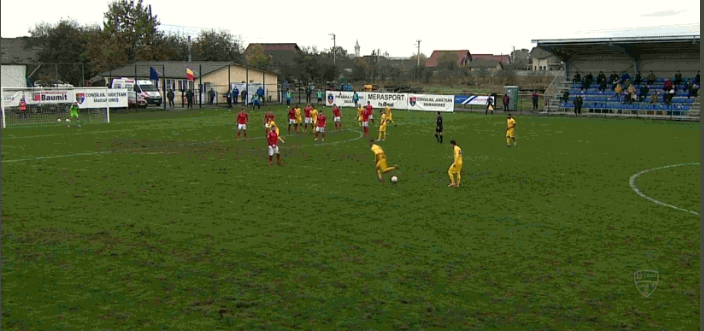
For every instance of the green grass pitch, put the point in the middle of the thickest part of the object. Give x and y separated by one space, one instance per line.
163 221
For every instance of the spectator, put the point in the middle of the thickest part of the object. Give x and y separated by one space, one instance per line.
638 79
654 97
235 95
289 96
601 77
355 98
566 96
602 85
494 97
624 77
618 91
506 101
652 78
615 83
586 83
668 85
590 77
578 102
170 96
678 78
189 98
244 97
643 92
309 91
613 77
228 96
256 102
696 79
631 93
693 90
211 96
260 93
667 98
490 105
534 98
320 97
577 78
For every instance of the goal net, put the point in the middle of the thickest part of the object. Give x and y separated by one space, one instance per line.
39 105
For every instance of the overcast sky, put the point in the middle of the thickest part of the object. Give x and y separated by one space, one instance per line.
392 26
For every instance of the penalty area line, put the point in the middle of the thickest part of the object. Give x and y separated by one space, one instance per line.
634 178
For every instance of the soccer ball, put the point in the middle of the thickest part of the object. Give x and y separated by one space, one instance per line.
58 120
394 179
68 120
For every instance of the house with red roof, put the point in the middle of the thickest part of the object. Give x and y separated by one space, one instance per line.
503 59
463 57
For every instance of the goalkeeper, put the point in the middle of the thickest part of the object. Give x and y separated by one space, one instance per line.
74 114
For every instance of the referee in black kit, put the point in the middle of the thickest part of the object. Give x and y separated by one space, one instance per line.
438 128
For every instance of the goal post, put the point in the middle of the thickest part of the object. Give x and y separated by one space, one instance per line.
44 105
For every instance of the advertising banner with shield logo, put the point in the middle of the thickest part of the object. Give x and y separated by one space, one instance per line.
428 102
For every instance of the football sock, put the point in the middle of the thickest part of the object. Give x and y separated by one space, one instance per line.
437 137
441 139
508 141
452 178
459 178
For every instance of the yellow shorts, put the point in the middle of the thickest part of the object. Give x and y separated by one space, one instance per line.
298 120
381 164
509 134
389 118
382 128
455 168
359 119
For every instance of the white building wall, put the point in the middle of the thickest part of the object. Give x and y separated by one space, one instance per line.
13 75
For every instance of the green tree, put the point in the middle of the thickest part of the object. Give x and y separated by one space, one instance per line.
66 43
257 58
221 45
129 33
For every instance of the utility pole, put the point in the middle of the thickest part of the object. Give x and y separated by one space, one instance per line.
513 55
334 47
189 48
418 58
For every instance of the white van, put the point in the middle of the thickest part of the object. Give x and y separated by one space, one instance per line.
141 94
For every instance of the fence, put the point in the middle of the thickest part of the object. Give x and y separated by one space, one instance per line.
38 105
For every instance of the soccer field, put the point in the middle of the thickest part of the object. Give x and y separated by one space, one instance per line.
164 221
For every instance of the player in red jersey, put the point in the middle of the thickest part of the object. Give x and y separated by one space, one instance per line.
365 122
337 117
292 119
370 111
321 126
272 138
308 119
242 119
268 117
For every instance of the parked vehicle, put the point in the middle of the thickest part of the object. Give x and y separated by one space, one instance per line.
134 99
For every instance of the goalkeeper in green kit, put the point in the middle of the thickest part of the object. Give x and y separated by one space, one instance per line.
74 114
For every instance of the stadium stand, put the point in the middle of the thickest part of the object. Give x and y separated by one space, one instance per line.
664 56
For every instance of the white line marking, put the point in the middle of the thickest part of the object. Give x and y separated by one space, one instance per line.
171 152
632 182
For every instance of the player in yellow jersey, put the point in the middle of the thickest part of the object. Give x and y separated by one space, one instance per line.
299 119
510 126
380 160
314 117
360 111
456 166
382 126
389 115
